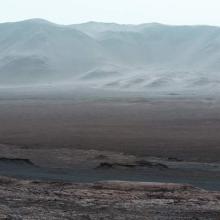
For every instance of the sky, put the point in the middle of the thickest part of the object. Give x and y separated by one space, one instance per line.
175 12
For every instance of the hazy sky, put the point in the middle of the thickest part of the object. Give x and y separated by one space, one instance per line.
120 11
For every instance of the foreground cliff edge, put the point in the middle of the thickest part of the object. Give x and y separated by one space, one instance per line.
23 199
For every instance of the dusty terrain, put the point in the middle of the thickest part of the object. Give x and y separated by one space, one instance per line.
105 200
171 126
80 104
77 165
59 144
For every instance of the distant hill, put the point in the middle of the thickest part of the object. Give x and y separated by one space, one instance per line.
110 55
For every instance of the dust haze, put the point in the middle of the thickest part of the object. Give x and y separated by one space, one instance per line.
104 101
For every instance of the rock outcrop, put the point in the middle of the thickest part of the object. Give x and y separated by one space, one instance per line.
21 199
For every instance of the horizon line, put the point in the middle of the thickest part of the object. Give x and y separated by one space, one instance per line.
107 23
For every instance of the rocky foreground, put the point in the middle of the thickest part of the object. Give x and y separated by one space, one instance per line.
23 199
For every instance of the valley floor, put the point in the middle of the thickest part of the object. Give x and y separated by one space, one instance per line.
186 127
58 143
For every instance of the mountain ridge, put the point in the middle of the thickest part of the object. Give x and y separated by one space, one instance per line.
141 56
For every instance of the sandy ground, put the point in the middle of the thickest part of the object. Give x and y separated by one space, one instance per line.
58 134
171 126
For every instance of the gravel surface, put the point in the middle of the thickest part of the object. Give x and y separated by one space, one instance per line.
105 200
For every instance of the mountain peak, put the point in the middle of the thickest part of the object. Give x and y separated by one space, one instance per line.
37 20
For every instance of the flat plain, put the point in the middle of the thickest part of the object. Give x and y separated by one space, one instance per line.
164 126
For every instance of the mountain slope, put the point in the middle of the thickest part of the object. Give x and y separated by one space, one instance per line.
40 50
109 55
